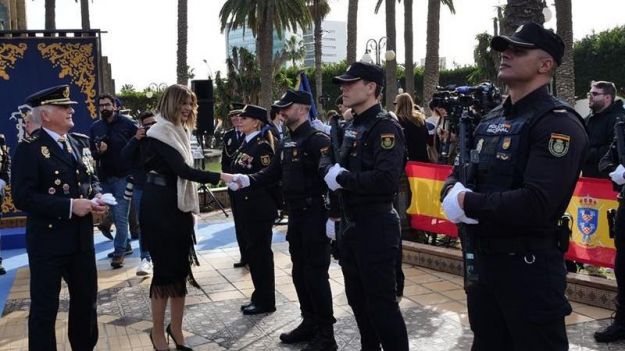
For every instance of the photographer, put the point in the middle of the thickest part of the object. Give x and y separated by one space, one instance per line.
108 136
132 154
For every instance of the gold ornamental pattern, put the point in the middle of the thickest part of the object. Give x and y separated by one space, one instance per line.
9 53
77 61
7 204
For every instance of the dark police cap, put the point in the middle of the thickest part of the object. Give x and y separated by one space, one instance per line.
256 112
236 106
532 36
58 95
293 97
361 70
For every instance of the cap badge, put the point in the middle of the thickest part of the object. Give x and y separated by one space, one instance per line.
519 29
66 92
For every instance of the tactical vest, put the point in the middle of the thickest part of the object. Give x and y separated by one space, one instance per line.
503 145
300 175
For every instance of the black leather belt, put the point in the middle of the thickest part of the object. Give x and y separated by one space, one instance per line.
156 179
520 245
367 209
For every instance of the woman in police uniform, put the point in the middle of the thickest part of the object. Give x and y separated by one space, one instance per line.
256 209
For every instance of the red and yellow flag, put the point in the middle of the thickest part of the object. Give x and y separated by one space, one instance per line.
590 242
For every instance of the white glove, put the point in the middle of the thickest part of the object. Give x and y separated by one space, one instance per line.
618 176
107 198
330 177
320 126
452 208
331 229
242 179
234 186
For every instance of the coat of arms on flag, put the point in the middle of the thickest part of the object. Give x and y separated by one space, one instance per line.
587 218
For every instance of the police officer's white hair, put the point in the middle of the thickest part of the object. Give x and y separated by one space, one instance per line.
35 116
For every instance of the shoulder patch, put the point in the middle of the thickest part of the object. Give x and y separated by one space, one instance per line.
387 141
559 144
265 160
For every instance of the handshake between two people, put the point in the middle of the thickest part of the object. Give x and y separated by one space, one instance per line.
235 181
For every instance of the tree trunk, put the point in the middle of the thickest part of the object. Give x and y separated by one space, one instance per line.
84 14
391 65
565 75
518 12
21 15
318 73
182 69
352 30
431 69
265 56
50 6
409 64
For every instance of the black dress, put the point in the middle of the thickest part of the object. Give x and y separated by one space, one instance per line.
168 232
256 212
416 141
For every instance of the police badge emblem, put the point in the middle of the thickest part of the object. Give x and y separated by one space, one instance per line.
506 143
387 141
559 144
265 160
45 151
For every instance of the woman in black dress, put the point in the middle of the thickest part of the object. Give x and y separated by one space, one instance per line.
167 207
256 209
415 130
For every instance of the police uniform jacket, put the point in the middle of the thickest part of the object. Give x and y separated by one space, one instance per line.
296 164
373 151
45 178
530 156
231 143
251 157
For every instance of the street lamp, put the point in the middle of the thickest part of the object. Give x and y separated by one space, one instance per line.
153 87
376 46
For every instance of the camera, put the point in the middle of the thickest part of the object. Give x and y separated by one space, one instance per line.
129 190
99 139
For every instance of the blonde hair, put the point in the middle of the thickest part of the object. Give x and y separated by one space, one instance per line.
406 110
171 100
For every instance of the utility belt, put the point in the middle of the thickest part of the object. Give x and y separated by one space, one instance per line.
158 179
516 245
363 210
304 203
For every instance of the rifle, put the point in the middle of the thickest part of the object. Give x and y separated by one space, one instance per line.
339 157
619 134
467 158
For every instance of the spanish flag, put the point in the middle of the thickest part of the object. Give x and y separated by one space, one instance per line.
592 198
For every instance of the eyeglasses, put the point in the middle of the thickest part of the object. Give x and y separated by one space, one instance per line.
594 93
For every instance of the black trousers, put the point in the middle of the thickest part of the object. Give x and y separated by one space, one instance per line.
310 254
519 302
619 264
260 261
369 252
237 230
79 272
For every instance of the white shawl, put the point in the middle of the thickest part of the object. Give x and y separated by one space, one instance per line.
178 138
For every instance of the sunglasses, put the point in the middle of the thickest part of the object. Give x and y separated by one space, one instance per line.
594 93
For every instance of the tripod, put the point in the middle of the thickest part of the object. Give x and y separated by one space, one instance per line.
203 187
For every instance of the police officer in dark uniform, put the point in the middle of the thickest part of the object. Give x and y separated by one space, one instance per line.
53 178
256 209
530 152
5 164
296 164
368 170
232 139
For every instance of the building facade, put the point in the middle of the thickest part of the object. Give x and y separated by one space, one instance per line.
333 43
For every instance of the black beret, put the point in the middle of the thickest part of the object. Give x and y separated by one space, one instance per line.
256 112
361 70
531 36
58 95
293 97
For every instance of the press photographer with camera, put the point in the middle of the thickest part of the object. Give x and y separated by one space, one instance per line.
523 164
108 136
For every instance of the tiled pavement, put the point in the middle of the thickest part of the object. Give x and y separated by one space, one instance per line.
434 307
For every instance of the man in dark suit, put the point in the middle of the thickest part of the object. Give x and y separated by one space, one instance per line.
53 178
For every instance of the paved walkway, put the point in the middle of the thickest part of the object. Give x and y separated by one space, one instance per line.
434 305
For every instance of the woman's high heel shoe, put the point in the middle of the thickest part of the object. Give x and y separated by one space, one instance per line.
154 345
178 346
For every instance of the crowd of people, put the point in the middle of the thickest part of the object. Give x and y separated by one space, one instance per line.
338 181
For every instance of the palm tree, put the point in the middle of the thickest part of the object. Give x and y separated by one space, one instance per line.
352 30
318 10
262 17
84 14
409 61
518 12
294 49
182 70
431 69
565 75
50 7
391 65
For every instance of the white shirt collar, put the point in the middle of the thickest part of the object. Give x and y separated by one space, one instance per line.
250 136
54 135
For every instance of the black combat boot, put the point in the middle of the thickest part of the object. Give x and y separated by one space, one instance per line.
614 331
306 331
323 341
